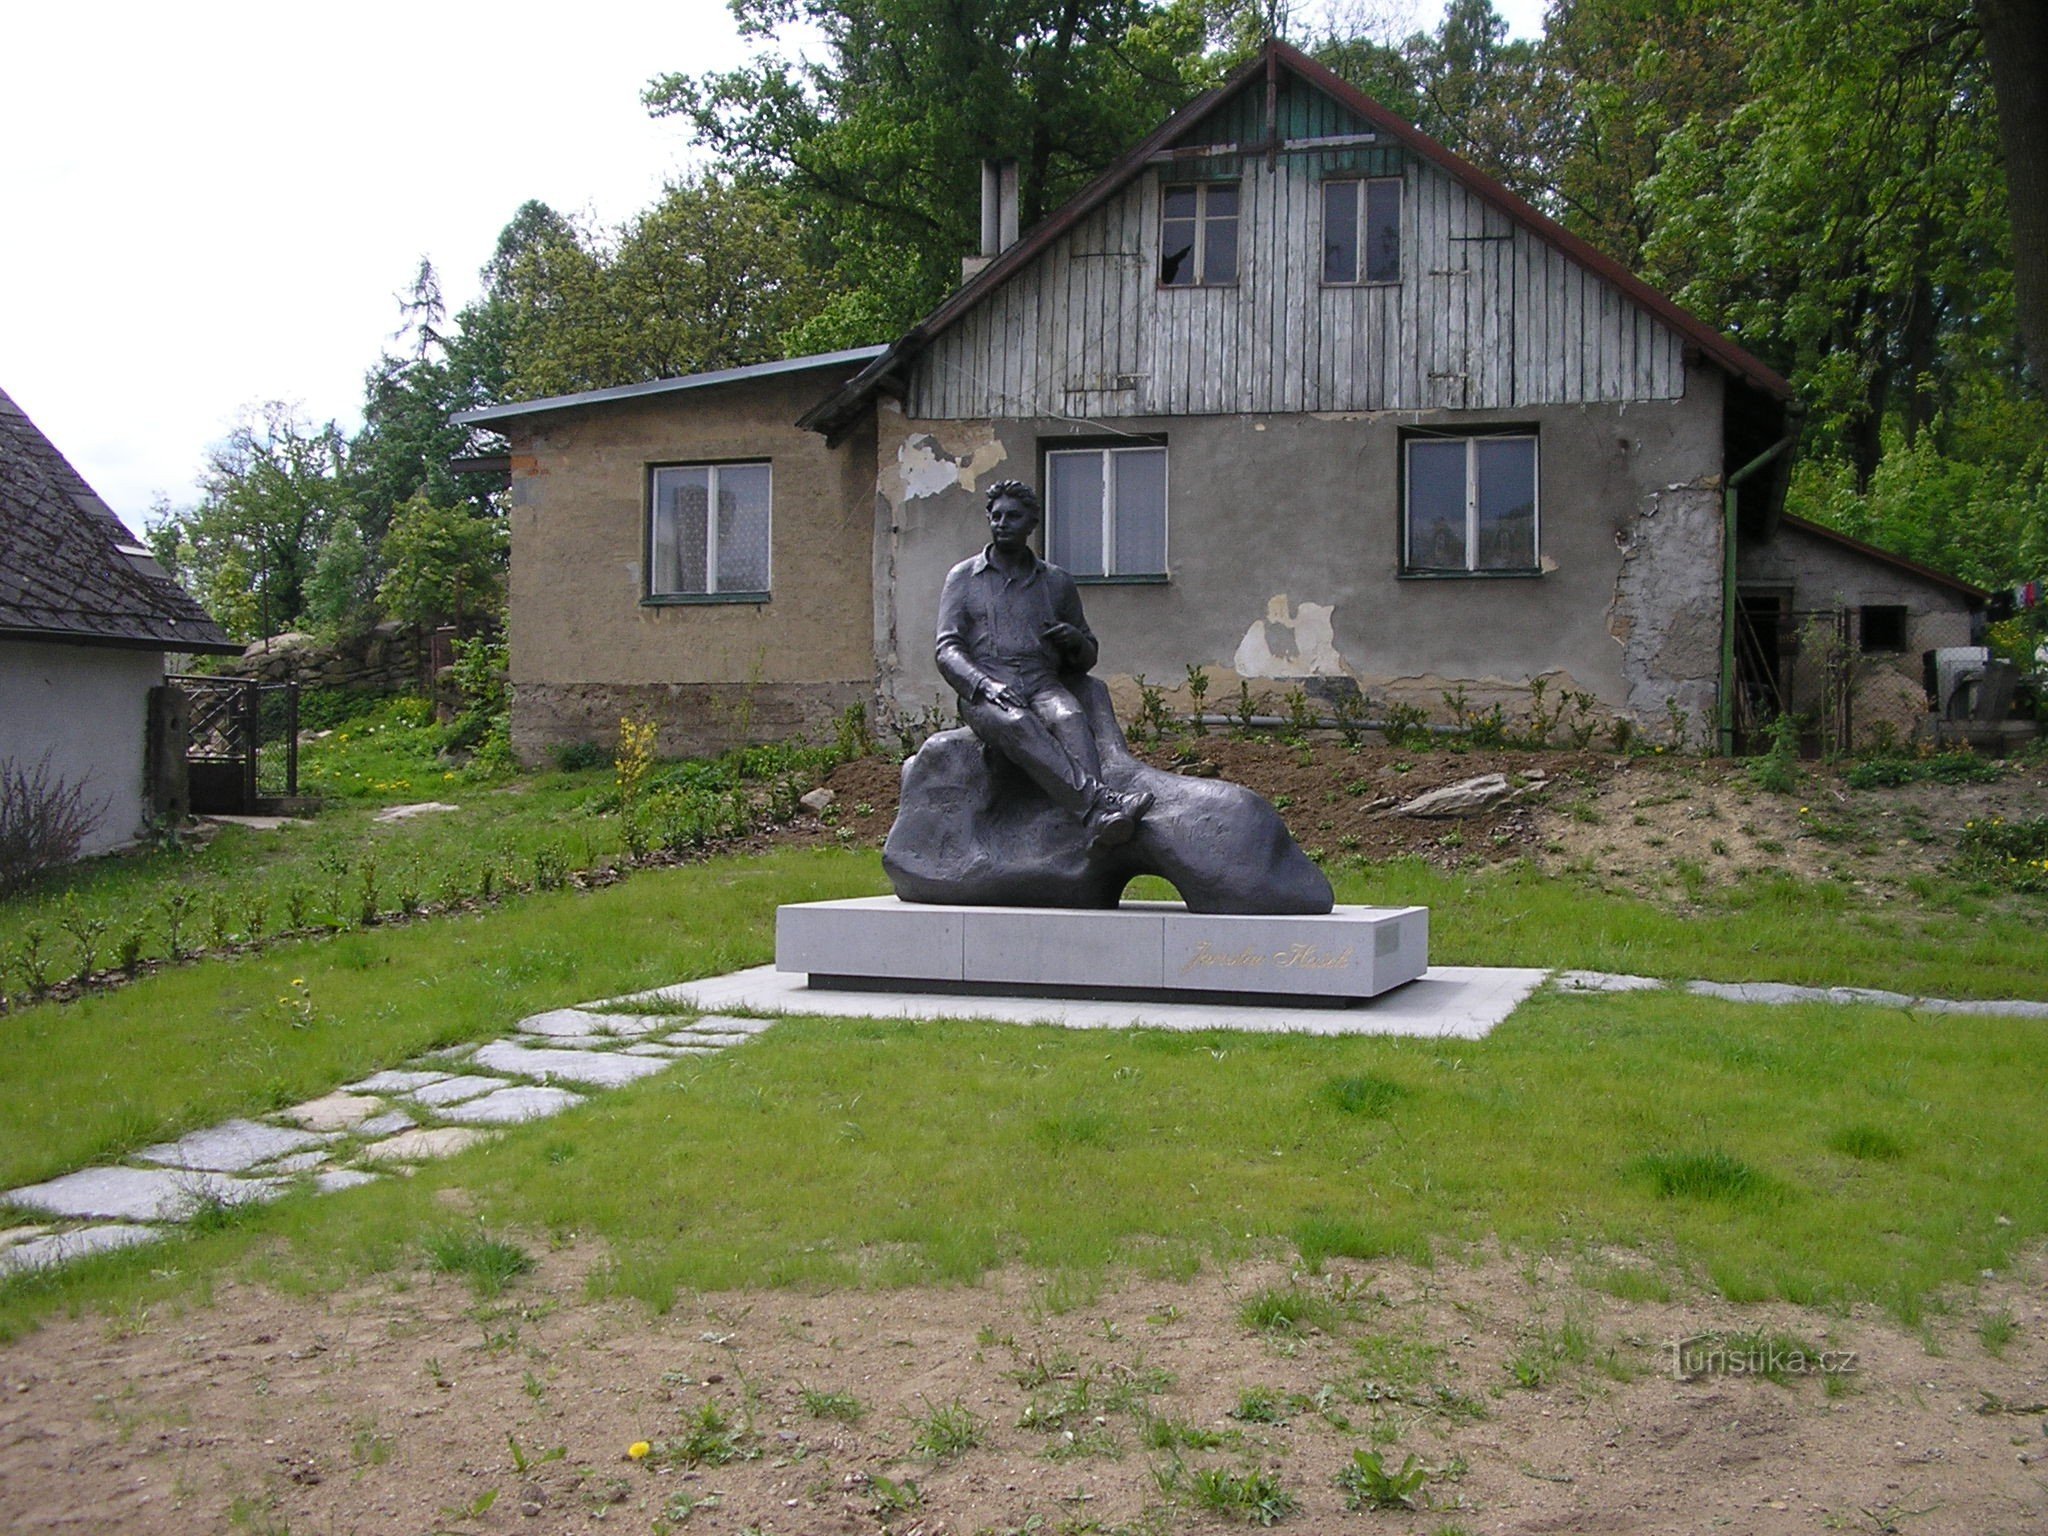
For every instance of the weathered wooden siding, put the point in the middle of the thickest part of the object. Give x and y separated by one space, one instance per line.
1486 316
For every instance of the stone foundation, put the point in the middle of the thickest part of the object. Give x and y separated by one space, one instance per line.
691 719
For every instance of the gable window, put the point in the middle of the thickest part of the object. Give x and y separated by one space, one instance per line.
1105 512
708 529
1198 235
1881 628
1469 504
1362 231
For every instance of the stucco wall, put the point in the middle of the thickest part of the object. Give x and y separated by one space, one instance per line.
1284 551
87 706
586 648
1886 689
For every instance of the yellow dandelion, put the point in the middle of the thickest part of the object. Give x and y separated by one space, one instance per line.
638 1450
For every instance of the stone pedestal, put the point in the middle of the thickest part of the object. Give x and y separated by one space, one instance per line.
1146 950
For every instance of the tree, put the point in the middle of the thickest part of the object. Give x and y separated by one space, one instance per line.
407 440
2016 46
883 134
269 494
1846 221
442 564
341 592
1617 79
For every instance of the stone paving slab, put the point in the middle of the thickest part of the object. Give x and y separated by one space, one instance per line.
453 1090
419 1146
718 1037
333 1112
230 1146
298 1162
328 1180
389 1124
395 1082
596 1069
514 1106
141 1194
564 1022
64 1247
1604 981
1454 1001
568 1042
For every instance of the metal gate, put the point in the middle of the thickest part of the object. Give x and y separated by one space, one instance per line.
242 746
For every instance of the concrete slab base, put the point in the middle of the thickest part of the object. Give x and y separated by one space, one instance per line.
1140 951
1454 1001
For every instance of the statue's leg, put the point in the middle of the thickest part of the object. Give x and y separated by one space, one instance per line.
1063 717
1023 738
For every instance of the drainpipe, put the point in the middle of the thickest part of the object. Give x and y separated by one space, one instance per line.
1727 709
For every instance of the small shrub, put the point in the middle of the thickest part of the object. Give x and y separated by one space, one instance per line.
43 821
1367 1095
1702 1176
1777 771
1256 1497
1245 709
1152 721
1260 1405
488 1263
1405 725
841 1406
1322 1238
1367 1484
709 1438
579 756
1867 1143
2010 853
1198 697
946 1430
1289 1311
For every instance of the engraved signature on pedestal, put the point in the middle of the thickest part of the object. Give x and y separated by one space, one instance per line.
1297 957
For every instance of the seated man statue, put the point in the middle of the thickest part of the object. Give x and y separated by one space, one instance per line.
1009 626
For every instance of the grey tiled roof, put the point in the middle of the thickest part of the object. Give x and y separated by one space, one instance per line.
63 575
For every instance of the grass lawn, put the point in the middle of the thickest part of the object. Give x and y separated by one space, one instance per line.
1820 1154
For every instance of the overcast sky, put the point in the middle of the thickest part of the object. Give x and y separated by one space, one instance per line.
215 204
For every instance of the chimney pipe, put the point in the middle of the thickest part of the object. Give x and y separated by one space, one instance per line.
998 214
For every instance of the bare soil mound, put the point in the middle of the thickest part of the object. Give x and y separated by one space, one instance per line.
1530 1397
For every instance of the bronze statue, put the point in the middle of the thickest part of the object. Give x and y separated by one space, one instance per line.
1010 629
1038 802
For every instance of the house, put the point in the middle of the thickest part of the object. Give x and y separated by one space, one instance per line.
86 616
1313 404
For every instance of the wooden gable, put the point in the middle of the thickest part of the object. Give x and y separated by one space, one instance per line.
1487 314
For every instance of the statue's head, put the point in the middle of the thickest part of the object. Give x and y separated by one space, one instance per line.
1013 514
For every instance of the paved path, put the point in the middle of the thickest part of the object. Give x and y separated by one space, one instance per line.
448 1100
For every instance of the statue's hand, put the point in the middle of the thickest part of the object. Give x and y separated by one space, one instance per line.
1003 695
1063 637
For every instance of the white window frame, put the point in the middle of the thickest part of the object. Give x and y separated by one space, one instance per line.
1471 567
1201 189
1361 233
711 592
1108 457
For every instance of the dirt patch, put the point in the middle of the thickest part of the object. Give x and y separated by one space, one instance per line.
1537 1400
1664 827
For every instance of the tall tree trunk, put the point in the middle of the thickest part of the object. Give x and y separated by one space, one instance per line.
2016 43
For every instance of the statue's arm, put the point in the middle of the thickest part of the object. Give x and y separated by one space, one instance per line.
956 665
1081 650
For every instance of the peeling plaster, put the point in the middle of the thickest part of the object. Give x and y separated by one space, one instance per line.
1666 611
1290 642
927 467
